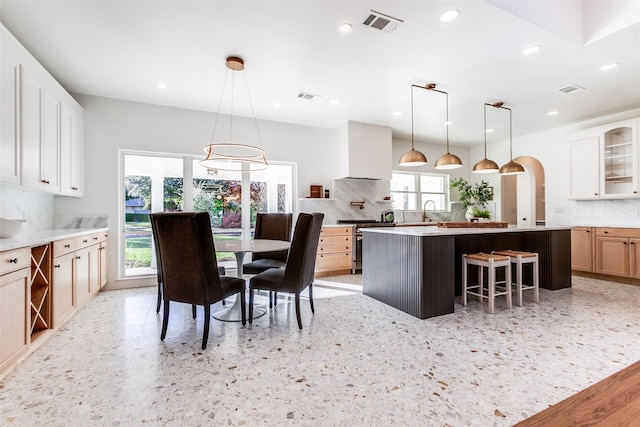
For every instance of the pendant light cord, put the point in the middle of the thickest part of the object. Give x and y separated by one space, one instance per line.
485 130
412 116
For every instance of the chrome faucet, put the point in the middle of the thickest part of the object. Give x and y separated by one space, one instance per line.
424 210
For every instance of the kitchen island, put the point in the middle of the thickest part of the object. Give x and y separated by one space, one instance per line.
419 269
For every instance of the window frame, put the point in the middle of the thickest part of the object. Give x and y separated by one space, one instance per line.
417 194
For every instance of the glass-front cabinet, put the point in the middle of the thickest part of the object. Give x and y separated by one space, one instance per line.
620 162
605 162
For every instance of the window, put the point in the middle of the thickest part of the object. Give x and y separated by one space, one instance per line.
411 191
166 183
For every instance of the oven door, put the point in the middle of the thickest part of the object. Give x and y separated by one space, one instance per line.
357 254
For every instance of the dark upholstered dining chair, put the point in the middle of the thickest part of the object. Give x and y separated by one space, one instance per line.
188 266
273 226
298 273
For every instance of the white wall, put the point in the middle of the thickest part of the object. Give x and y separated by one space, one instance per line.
112 124
552 150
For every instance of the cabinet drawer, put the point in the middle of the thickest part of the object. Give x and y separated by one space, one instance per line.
14 260
332 240
335 247
64 246
332 231
618 232
334 261
84 241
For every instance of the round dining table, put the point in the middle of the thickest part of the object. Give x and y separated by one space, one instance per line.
239 249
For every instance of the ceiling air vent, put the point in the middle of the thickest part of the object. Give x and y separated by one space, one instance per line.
571 89
382 22
307 95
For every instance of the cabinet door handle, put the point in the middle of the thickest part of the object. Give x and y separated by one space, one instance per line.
624 243
635 192
588 231
606 232
44 181
595 194
13 260
632 243
67 245
74 188
85 241
95 238
56 266
78 257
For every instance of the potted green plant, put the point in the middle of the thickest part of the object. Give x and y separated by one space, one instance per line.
473 197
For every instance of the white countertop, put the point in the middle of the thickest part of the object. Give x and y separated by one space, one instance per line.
42 237
437 231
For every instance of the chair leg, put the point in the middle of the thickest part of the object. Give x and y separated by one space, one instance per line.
298 310
224 302
275 298
250 306
159 297
311 297
270 299
193 310
243 308
207 318
165 321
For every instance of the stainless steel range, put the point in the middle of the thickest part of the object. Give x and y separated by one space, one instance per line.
359 224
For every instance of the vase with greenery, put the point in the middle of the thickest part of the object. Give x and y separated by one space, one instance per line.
473 197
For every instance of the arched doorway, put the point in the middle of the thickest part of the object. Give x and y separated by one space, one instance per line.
523 195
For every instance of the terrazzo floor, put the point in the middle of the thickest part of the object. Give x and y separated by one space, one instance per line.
356 362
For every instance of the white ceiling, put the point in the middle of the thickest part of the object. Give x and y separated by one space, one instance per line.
123 49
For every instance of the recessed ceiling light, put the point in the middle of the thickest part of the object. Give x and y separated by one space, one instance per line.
397 113
532 49
489 130
609 66
162 86
553 113
449 15
345 27
335 101
276 105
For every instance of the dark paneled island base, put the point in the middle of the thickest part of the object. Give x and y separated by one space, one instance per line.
419 269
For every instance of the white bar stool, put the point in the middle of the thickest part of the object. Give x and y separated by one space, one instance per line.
519 258
491 262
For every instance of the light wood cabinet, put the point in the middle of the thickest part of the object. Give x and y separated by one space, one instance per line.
616 253
582 249
14 306
64 304
335 251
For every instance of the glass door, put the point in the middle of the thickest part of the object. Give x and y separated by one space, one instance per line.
618 161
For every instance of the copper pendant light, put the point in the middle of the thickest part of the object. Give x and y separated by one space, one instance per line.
485 165
228 155
511 167
412 157
446 161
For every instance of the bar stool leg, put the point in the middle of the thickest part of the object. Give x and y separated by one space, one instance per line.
480 283
519 279
492 285
508 280
464 280
536 281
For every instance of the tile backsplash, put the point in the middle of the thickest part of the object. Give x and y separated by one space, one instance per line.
370 195
34 207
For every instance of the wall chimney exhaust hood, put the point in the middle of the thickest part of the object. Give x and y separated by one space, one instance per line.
364 151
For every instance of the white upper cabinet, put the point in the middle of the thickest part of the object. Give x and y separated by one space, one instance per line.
40 134
71 151
585 169
41 127
605 165
9 124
